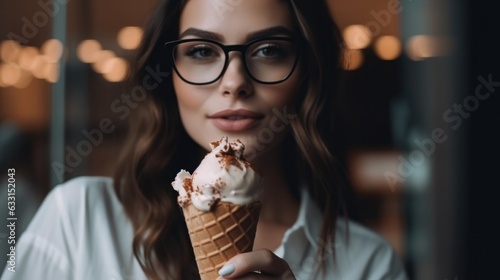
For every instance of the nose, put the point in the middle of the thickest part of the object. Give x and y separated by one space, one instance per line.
235 82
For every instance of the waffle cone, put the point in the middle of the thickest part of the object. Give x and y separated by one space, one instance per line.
220 234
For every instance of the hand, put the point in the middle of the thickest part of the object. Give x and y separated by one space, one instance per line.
259 264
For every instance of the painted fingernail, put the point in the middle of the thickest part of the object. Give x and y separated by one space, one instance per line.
227 269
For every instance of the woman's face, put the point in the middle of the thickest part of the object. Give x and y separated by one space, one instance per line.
235 105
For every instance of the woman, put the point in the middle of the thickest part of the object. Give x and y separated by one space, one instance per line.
262 71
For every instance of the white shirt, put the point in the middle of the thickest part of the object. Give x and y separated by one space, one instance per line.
82 232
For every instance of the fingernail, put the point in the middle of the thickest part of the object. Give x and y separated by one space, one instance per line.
227 269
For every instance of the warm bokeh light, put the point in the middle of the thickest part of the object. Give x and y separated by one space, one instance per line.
88 51
2 84
9 50
39 67
51 72
388 47
130 37
103 56
115 69
10 74
357 36
353 59
24 79
369 168
27 58
53 49
420 47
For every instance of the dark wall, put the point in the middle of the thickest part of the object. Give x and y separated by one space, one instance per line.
483 195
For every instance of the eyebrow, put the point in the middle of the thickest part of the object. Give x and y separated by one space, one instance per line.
201 33
272 31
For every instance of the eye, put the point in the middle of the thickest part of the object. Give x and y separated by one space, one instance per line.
202 52
270 50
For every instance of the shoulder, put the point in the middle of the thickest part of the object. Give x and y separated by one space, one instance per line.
68 206
359 252
92 214
73 229
359 247
85 192
85 197
91 186
70 202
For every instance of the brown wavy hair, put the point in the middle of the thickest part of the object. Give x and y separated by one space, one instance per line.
157 143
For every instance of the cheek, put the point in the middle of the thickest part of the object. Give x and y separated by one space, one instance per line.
284 93
189 105
189 100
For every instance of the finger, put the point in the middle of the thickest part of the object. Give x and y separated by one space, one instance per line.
257 276
252 276
261 260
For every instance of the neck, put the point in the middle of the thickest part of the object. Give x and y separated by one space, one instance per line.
279 208
278 204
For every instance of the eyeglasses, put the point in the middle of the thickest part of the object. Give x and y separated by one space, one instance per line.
201 61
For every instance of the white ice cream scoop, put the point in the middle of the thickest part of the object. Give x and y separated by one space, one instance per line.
223 175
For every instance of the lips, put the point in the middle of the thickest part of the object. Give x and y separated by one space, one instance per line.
235 120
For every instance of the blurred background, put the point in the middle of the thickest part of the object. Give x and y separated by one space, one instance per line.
417 131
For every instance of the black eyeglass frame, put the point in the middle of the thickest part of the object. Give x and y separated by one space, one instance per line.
170 46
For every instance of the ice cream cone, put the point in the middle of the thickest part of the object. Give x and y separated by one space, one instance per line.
220 234
220 204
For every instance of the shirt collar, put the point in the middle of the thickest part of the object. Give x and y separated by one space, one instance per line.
310 217
304 233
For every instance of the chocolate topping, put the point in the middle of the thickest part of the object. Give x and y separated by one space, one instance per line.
188 185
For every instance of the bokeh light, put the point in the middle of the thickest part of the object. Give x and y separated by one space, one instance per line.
2 84
51 72
388 47
115 69
357 37
9 51
101 59
27 58
39 67
88 51
53 49
10 74
421 47
130 37
24 79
